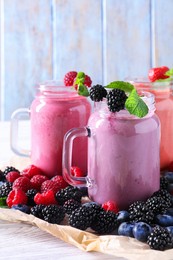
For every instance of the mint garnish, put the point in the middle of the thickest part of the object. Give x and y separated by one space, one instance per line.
82 90
126 86
134 104
3 201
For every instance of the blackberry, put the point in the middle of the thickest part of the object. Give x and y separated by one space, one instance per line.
2 177
116 99
105 222
53 214
70 205
81 218
165 195
163 183
9 169
139 212
97 93
94 207
37 211
5 189
69 192
30 194
159 239
156 204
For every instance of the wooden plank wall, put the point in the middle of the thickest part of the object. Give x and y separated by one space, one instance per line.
108 39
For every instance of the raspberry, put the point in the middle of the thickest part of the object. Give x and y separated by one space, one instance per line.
60 181
22 183
37 180
87 81
110 206
158 73
16 197
31 170
77 172
97 93
116 99
45 198
49 185
12 176
69 78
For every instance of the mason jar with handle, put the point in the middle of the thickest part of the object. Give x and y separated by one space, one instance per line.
54 111
123 154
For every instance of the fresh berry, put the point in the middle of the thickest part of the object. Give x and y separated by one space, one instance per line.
169 176
12 176
69 78
31 170
110 206
2 177
49 185
158 73
5 189
105 222
22 183
97 93
116 99
37 180
31 194
70 205
126 229
69 192
164 183
81 218
21 207
94 207
159 239
123 216
156 204
139 212
45 198
16 196
60 181
76 172
141 231
53 214
9 169
164 220
87 81
165 195
37 211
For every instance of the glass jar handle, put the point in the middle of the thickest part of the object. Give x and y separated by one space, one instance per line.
67 156
15 118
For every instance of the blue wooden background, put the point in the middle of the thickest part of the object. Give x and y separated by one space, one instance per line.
107 39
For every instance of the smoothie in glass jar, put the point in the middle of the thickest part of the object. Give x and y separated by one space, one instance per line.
164 109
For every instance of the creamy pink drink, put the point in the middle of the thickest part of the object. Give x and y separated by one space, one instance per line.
123 155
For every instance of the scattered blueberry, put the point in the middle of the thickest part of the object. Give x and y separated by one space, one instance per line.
170 229
169 212
164 220
126 229
123 216
21 207
141 231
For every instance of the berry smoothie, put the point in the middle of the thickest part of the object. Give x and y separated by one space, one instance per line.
54 111
164 110
123 156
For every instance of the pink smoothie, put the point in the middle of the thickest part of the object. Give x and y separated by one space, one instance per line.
52 115
164 110
123 157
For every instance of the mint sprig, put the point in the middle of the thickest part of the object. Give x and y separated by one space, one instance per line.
82 90
134 103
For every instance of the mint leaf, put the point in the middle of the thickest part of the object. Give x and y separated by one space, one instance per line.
135 105
169 72
80 78
83 90
126 86
3 201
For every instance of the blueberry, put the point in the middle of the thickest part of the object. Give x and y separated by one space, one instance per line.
141 231
89 204
169 176
123 216
164 220
126 229
21 207
169 212
1 183
170 229
170 187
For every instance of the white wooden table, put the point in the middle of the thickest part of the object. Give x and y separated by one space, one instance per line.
22 241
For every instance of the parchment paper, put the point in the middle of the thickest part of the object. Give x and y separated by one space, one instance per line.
120 246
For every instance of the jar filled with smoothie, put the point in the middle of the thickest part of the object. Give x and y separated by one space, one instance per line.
123 154
163 92
54 111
